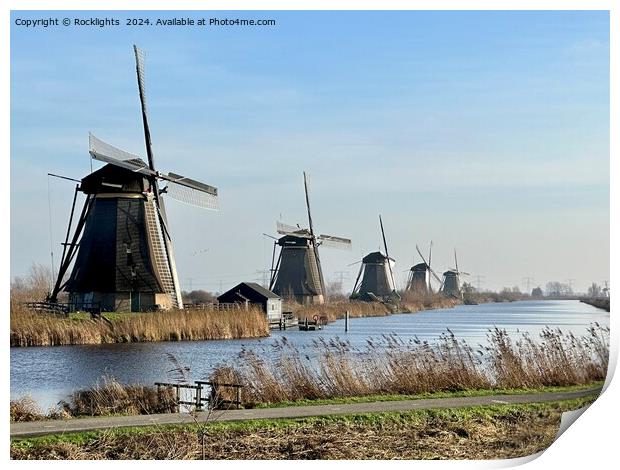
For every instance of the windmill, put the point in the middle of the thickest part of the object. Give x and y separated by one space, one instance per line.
451 280
297 273
377 277
121 245
419 280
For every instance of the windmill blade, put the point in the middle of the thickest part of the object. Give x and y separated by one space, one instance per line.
464 273
335 242
312 237
387 253
353 264
421 255
189 183
142 91
430 254
437 278
286 229
456 261
308 205
191 191
104 152
269 236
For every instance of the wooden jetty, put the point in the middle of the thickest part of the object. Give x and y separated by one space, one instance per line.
316 323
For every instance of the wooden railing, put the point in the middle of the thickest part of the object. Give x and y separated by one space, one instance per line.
213 399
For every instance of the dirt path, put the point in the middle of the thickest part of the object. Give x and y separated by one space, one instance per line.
38 428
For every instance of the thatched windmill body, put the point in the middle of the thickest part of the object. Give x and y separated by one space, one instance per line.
375 279
121 249
451 286
297 274
419 280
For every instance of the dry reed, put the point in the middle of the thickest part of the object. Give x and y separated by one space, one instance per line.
391 365
107 397
29 328
410 302
111 397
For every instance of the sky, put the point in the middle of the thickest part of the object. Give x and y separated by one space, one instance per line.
485 132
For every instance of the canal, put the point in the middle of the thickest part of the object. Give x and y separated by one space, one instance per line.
50 374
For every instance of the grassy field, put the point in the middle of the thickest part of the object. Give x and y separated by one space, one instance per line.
37 329
502 431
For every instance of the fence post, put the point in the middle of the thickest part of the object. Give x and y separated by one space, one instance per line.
238 397
346 321
199 397
178 389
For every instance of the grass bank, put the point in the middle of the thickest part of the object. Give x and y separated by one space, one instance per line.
602 303
502 431
37 329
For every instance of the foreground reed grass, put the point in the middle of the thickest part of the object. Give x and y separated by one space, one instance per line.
108 397
390 365
36 329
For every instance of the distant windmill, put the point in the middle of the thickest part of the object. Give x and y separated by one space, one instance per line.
420 274
297 273
451 280
377 277
121 244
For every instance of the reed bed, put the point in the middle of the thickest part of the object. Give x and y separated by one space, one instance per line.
336 310
29 328
410 302
391 365
111 397
105 398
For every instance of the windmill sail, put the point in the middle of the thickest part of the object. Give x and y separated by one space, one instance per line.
335 242
191 192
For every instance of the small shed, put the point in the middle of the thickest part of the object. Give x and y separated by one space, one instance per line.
252 293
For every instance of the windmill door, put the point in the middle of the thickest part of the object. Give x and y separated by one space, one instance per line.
135 301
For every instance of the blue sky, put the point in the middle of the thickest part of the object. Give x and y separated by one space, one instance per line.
484 131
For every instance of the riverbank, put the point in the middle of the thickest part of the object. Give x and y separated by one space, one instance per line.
335 310
480 432
39 329
602 303
30 328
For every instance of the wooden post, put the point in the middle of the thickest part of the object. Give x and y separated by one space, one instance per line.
178 389
199 397
238 397
346 321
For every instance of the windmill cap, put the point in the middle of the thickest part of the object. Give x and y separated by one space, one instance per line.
375 257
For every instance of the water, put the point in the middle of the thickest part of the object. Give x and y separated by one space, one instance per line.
49 374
